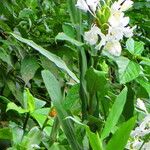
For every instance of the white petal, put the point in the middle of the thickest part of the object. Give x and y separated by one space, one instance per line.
91 36
113 48
115 33
81 4
92 4
128 32
116 19
126 5
141 105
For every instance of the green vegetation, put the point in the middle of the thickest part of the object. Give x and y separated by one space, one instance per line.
71 79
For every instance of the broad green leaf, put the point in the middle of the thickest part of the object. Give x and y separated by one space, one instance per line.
64 37
52 57
39 103
4 26
144 83
29 101
4 100
115 113
94 139
54 90
40 115
17 132
145 62
72 100
53 86
13 106
5 57
33 137
96 80
130 45
128 70
6 134
121 136
69 30
16 90
29 66
134 47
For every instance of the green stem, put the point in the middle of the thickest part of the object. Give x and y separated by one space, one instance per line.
45 122
53 134
26 121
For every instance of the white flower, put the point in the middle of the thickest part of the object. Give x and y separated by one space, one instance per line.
87 5
91 36
81 4
128 32
143 129
126 5
92 4
113 48
117 19
102 42
141 105
35 146
121 5
115 33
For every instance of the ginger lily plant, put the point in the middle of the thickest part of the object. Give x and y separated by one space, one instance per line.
110 25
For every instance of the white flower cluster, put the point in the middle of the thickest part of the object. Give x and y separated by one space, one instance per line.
136 135
117 26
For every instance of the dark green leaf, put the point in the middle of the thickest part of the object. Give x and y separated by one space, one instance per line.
64 37
52 57
29 66
5 133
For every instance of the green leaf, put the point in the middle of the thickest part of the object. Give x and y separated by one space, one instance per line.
115 113
13 106
69 30
39 103
128 70
94 139
40 115
34 136
134 47
96 80
52 57
29 66
54 90
72 100
5 134
130 45
64 37
121 136
15 89
144 83
53 86
17 133
5 57
29 101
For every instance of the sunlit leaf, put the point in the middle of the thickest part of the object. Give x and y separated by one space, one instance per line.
128 70
115 113
121 136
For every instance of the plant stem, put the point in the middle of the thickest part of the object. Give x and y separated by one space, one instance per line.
53 133
26 121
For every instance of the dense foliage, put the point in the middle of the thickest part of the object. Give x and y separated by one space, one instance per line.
58 91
